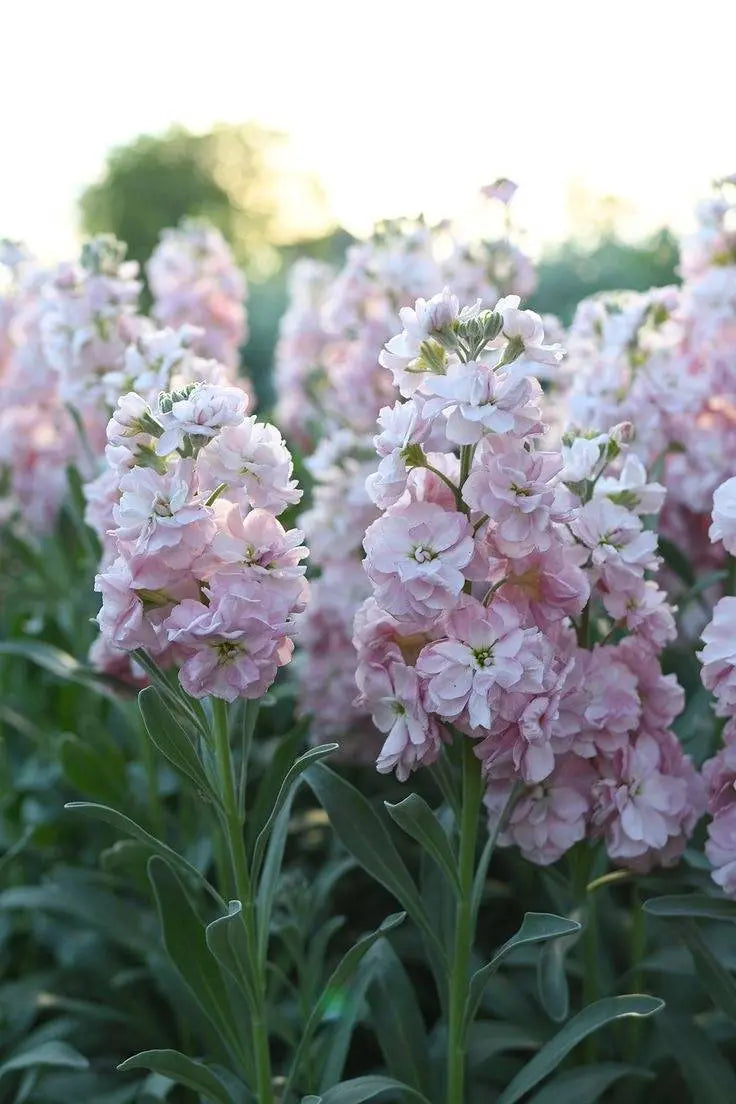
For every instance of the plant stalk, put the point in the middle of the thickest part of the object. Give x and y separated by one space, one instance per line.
233 826
472 792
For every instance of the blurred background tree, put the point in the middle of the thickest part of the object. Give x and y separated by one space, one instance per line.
231 176
578 268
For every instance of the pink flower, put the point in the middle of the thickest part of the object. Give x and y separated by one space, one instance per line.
547 818
721 849
395 698
616 540
643 608
719 656
199 414
232 649
547 586
719 774
647 801
724 516
132 422
160 514
630 488
526 328
414 558
130 618
600 704
480 400
502 189
251 456
515 489
485 653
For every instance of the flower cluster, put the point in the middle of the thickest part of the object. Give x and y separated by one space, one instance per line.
718 658
38 438
665 359
88 321
513 602
331 390
204 575
195 281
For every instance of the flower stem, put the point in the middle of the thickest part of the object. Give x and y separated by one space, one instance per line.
472 791
236 846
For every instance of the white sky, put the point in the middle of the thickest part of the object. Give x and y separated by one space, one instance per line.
397 106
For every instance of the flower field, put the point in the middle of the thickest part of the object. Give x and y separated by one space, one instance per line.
380 745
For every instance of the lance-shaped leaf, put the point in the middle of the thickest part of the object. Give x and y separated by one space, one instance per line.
172 740
366 1088
366 837
696 906
414 815
53 1052
535 928
340 976
186 945
589 1020
586 1085
185 1071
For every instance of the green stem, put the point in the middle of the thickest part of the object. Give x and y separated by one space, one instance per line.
584 627
155 811
233 826
472 793
590 969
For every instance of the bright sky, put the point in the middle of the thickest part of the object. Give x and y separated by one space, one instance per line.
397 106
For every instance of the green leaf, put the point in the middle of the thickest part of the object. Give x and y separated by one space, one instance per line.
397 1019
579 1027
705 582
340 976
170 737
554 992
586 1085
366 1088
314 755
227 941
691 906
414 815
714 977
125 824
709 1075
98 775
535 928
54 1052
63 666
271 873
185 1071
486 1038
186 945
271 780
677 561
365 836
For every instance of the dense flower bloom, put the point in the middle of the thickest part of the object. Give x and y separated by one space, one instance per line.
549 817
484 653
413 735
647 800
195 280
724 516
415 558
719 656
206 578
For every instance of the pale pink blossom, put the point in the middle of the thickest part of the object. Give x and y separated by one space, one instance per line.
484 653
479 399
526 328
547 818
515 488
719 656
647 800
251 456
723 527
199 414
415 557
395 697
231 651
